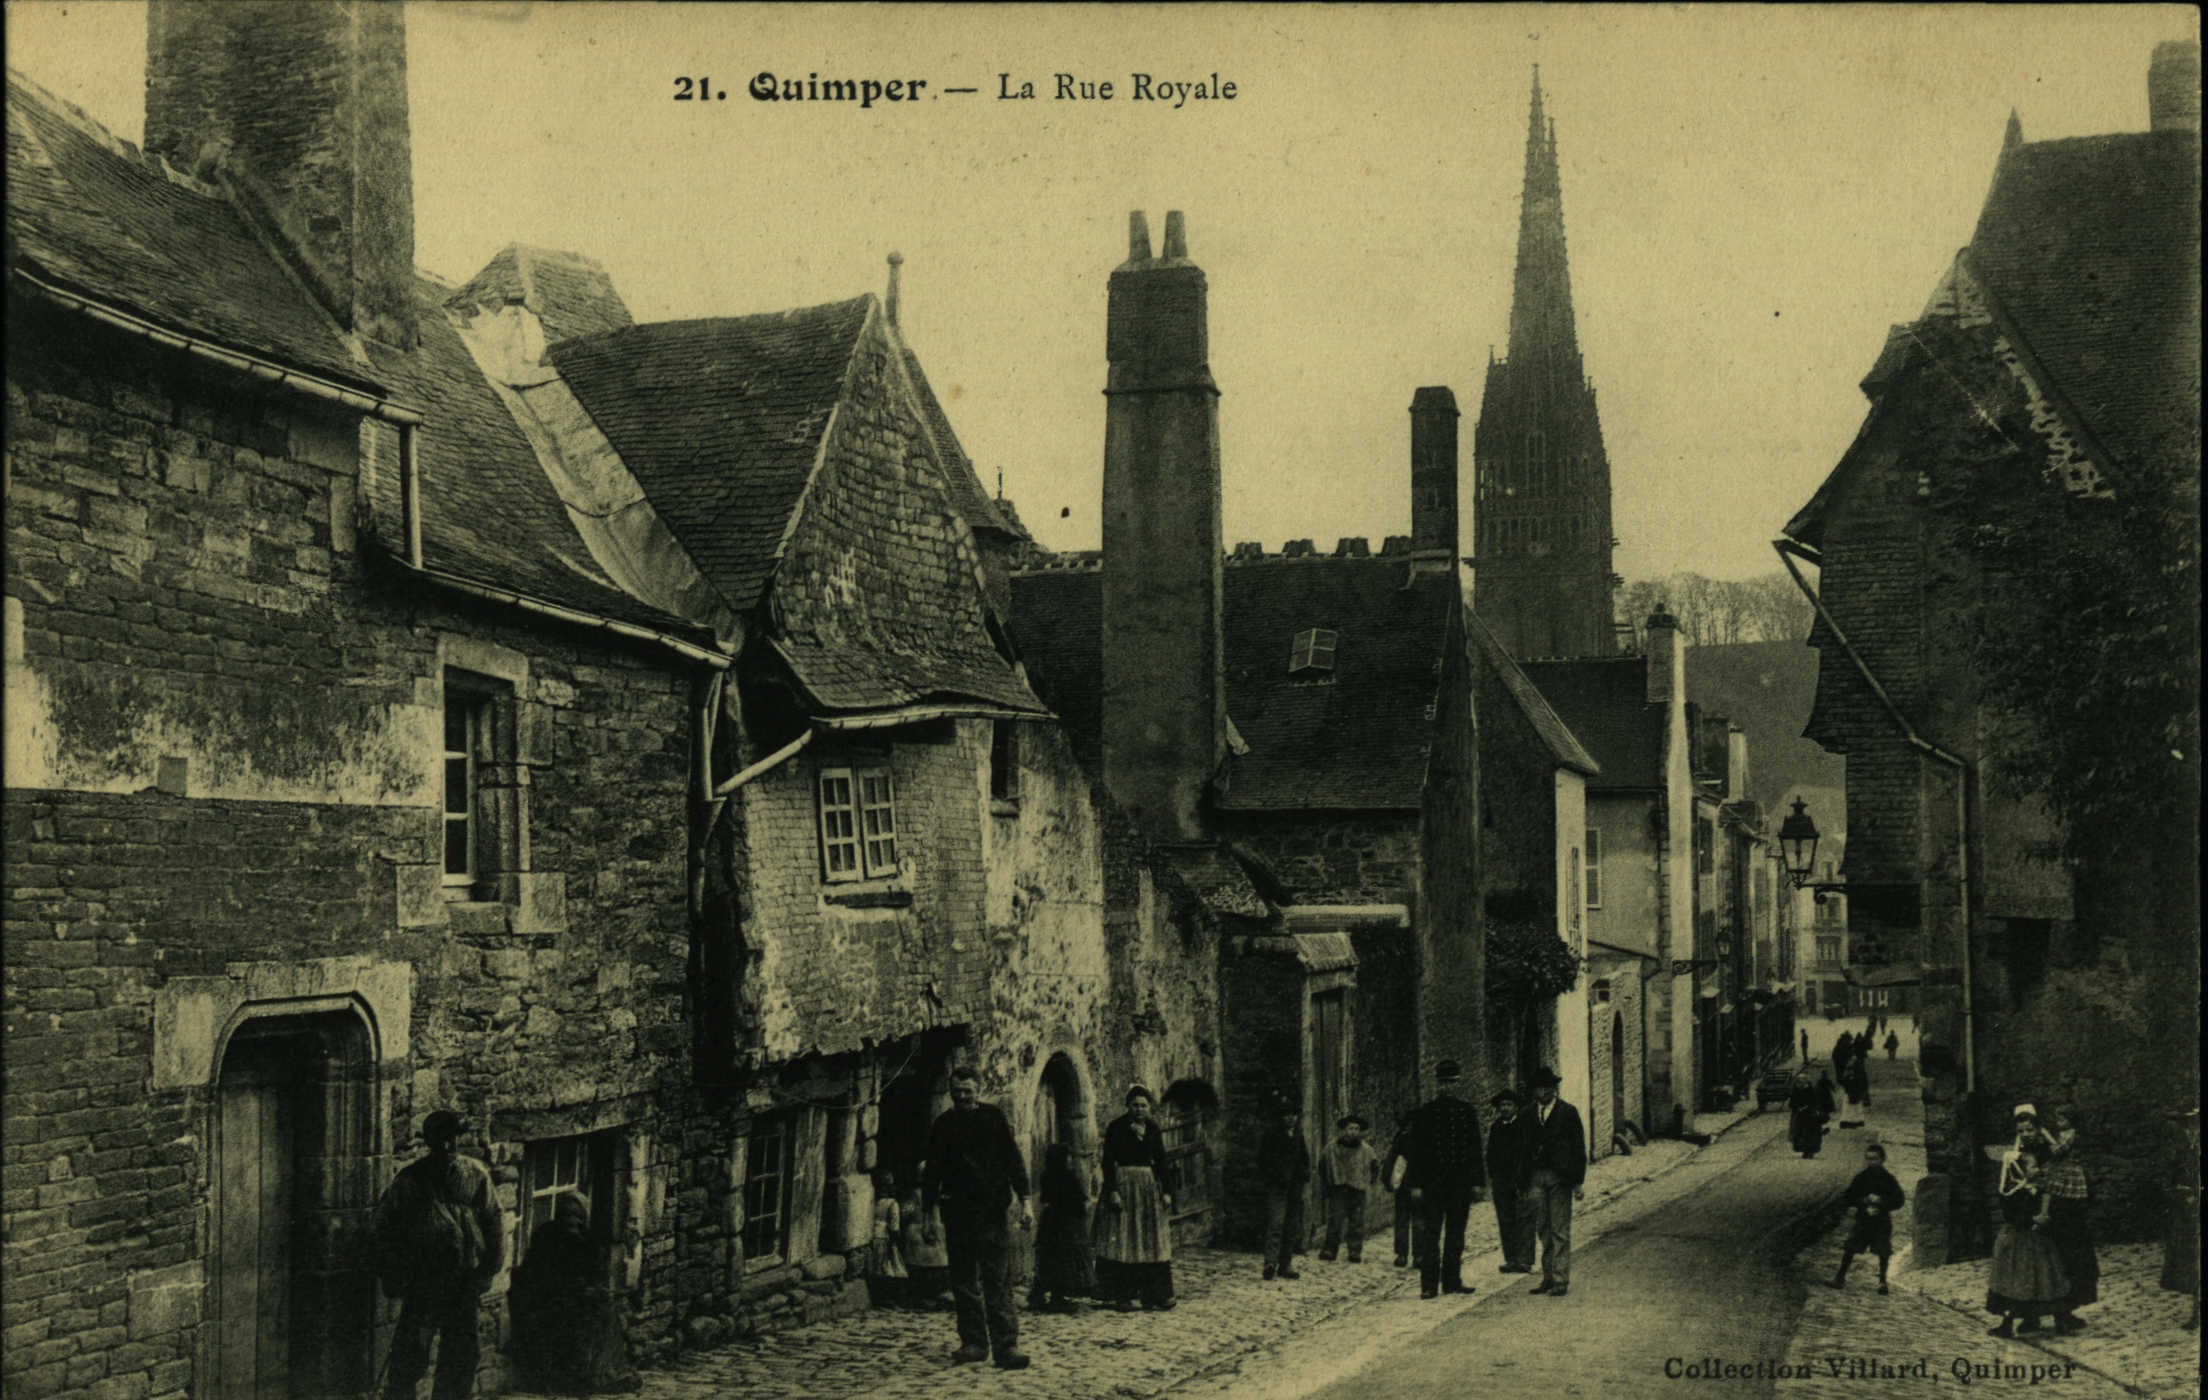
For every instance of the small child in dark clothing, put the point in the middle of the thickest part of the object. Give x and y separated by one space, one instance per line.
1065 1264
1874 1196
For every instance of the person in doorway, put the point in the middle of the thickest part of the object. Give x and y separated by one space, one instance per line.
1510 1177
1893 1044
1873 1197
892 1276
1447 1172
1392 1172
974 1173
1347 1170
1559 1176
1283 1169
927 1263
1134 1223
440 1239
568 1337
1065 1266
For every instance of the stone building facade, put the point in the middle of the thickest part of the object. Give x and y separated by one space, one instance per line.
2058 965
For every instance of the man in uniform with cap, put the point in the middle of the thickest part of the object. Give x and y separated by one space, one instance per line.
1559 1171
440 1239
1445 1172
1510 1175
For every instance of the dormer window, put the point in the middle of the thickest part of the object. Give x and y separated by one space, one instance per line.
1312 653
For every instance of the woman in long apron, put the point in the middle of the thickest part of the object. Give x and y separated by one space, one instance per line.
1134 1229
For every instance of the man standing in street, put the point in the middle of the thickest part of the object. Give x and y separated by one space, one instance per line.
1445 1174
440 1239
974 1171
1510 1173
1559 1174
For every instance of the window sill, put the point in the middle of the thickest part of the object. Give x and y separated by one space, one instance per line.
882 895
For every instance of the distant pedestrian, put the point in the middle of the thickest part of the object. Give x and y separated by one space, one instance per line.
1284 1170
1347 1170
1134 1223
1805 1122
1510 1177
1828 1102
568 1337
1859 1075
2024 1280
1893 1044
1559 1171
1872 1197
1840 1048
1446 1172
974 1174
1392 1173
1065 1265
440 1240
927 1263
1805 1047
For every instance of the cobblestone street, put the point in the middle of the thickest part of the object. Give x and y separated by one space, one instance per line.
1227 1318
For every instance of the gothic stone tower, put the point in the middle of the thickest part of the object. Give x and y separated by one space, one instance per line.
1541 514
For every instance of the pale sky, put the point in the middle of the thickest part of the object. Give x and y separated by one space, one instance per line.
1751 195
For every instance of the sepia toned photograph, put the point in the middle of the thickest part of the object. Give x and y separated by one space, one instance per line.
1119 702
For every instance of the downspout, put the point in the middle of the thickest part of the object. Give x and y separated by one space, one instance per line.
1788 551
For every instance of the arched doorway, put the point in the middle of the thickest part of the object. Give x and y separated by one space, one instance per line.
293 1145
1060 1116
1617 1070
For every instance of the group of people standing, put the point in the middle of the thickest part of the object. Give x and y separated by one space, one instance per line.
2043 1257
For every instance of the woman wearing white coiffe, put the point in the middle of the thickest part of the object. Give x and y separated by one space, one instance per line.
1134 1230
2025 1279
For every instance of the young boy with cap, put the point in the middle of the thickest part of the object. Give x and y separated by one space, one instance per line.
1873 1196
1347 1170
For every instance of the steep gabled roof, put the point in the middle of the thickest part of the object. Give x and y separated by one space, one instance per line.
721 421
1354 738
1604 701
92 215
1556 736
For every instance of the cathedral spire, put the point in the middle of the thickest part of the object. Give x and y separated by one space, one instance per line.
1541 322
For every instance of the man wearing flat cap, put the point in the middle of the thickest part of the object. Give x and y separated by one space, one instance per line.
1559 1169
440 1239
1347 1169
1444 1171
1510 1176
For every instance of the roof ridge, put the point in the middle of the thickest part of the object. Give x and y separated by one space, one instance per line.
823 310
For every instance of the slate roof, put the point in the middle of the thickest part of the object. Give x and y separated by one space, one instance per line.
93 215
1603 700
1767 689
1358 741
720 421
1556 735
2092 248
967 494
570 294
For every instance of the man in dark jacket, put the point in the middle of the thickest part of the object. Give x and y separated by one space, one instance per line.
1559 1171
1510 1174
974 1171
1283 1168
440 1239
1445 1173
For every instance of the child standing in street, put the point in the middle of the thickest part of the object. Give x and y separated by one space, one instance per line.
890 1277
1873 1196
927 1262
1346 1171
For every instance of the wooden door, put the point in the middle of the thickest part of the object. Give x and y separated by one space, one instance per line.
256 1196
1329 1063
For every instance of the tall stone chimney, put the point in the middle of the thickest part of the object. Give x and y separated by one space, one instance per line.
1434 470
2173 86
1164 697
1667 659
300 108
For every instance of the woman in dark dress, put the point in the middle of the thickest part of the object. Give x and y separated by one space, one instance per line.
1805 1124
2025 1279
2069 1196
1134 1229
1065 1267
567 1337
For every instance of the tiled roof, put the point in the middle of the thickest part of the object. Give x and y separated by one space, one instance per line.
2092 248
1767 688
488 512
1356 739
887 673
1562 744
1604 702
720 420
967 496
570 294
1217 879
94 216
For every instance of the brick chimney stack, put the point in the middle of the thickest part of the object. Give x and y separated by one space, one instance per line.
1434 471
1667 659
300 108
1164 667
2173 86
